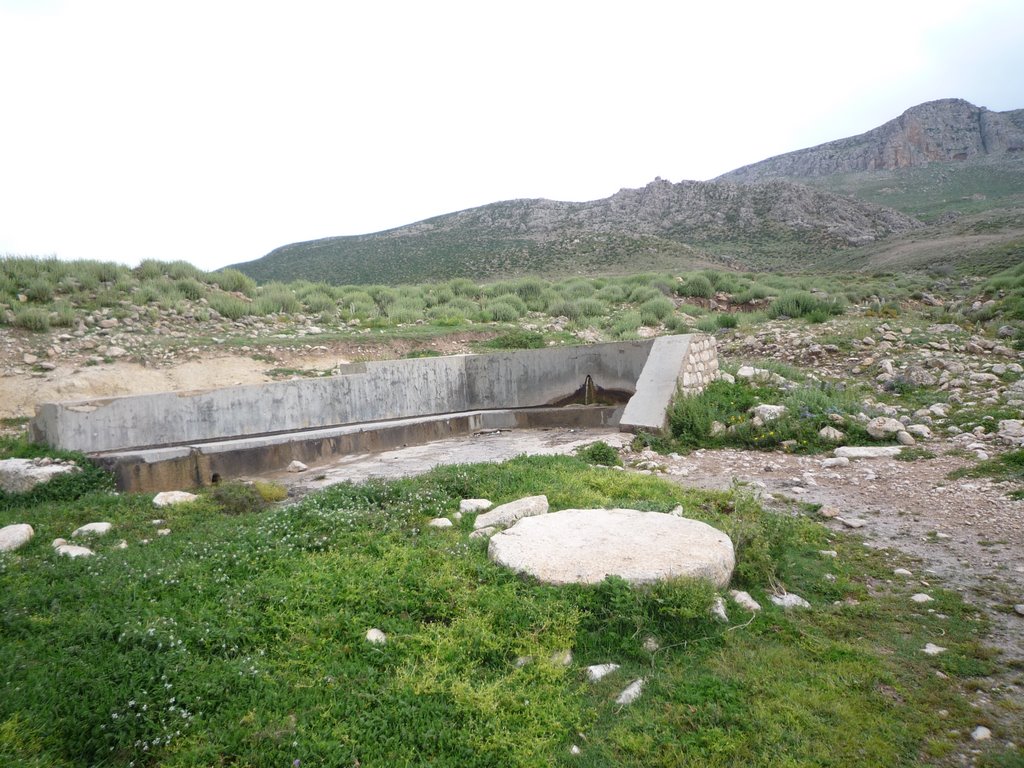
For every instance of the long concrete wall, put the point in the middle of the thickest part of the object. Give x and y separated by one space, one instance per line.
181 439
374 391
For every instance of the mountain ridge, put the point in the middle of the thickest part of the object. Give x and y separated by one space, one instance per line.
944 162
943 130
681 223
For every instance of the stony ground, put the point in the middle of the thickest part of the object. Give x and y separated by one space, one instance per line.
968 532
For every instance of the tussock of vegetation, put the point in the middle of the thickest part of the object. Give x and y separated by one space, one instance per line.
808 410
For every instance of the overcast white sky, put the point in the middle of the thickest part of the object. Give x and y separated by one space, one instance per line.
214 131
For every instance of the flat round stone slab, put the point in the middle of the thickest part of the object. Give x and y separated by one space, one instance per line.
583 546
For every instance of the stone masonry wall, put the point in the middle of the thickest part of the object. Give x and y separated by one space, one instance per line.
701 365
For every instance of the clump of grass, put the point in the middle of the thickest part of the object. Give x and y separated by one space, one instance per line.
802 304
229 306
655 309
32 319
600 453
697 286
237 498
233 281
625 324
276 298
518 339
270 492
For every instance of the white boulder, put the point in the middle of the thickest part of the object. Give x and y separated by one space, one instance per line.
61 547
883 427
768 412
14 536
170 498
506 514
598 671
92 529
867 452
583 546
789 600
22 475
631 692
745 601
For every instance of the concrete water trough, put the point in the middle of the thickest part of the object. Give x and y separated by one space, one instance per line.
173 440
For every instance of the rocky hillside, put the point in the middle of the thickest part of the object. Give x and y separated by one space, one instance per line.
936 131
660 226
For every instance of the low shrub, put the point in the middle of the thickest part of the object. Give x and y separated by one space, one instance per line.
237 498
655 309
32 319
517 340
802 304
600 453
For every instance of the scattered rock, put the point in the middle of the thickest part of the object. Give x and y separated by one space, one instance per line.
22 475
14 536
376 637
507 514
981 733
61 547
768 413
905 438
598 671
583 546
631 692
745 601
902 572
867 452
170 498
440 522
718 610
651 644
852 522
484 533
832 435
1019 609
921 597
933 650
470 506
1011 431
92 529
883 428
561 658
297 466
828 511
789 600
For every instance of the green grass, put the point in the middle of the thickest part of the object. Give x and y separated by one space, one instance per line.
809 408
238 639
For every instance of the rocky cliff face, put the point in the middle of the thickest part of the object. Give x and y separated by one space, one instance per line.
936 131
699 211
